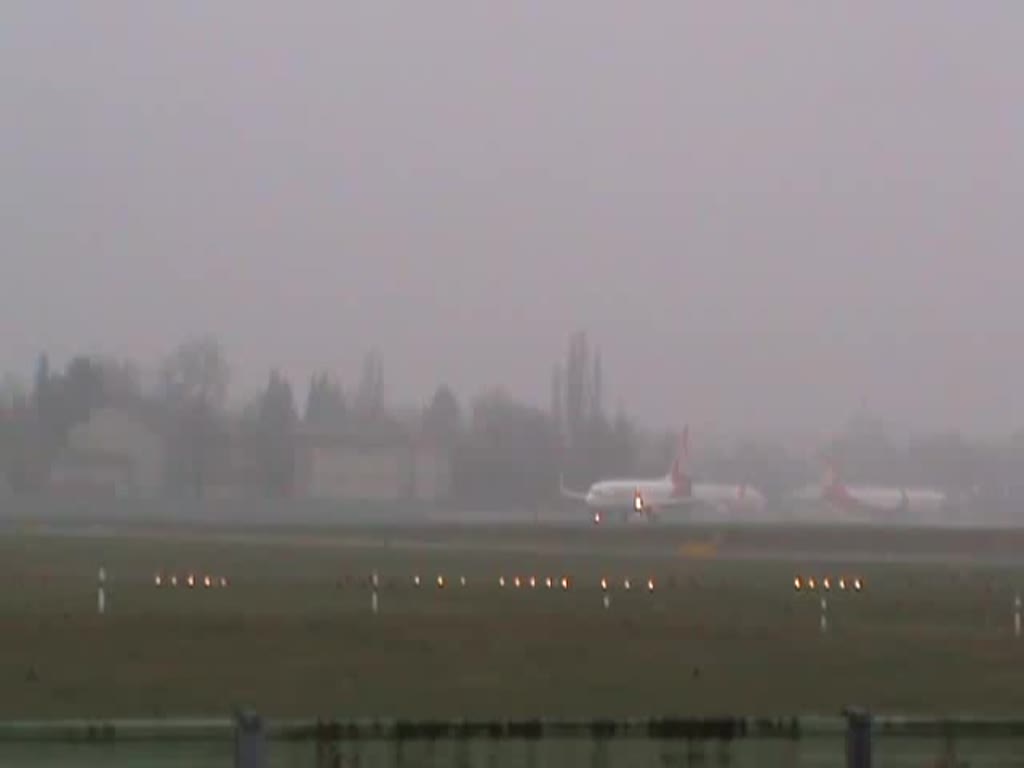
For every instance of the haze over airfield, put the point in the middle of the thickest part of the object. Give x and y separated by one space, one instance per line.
767 217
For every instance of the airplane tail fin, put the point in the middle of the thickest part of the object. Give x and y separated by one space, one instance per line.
679 472
830 477
833 488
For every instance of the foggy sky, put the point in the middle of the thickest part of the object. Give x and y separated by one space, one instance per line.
768 215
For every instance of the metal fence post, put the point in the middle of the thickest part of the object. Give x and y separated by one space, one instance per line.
858 739
250 741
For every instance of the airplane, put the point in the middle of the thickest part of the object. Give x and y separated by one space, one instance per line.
875 500
644 498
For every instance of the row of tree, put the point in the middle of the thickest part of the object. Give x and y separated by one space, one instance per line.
589 444
506 451
502 451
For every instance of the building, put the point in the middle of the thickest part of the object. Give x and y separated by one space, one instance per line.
236 471
346 467
432 473
113 453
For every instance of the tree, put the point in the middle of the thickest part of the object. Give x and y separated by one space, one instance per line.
577 390
441 418
121 382
277 417
368 406
325 404
41 388
46 406
576 393
508 457
82 390
591 448
197 371
597 391
557 400
194 381
59 402
621 442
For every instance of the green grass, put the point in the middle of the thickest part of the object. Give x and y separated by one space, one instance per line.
293 635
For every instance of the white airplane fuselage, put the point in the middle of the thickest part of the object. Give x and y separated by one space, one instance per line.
889 499
646 497
892 502
640 495
608 495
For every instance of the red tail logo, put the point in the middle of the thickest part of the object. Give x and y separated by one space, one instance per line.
832 487
679 473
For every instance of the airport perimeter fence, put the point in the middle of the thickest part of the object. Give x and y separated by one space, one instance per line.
855 740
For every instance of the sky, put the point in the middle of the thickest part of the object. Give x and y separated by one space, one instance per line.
767 215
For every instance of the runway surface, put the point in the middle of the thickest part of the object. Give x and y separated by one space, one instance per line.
796 543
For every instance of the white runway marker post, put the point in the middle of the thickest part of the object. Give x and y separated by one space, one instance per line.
1016 615
824 615
101 597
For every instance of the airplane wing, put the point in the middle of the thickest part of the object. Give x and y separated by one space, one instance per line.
569 493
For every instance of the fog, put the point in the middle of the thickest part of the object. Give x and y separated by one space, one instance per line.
768 217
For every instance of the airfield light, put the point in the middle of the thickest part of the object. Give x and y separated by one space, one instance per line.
547 582
462 581
223 581
626 584
565 582
857 585
650 585
207 582
191 580
174 580
517 582
416 580
810 583
501 581
842 584
797 584
597 518
533 582
440 582
158 580
826 584
604 584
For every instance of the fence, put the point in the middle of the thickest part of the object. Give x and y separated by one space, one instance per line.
854 741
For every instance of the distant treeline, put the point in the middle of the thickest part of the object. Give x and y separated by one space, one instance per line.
501 451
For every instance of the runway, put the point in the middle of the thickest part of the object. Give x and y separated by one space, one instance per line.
768 543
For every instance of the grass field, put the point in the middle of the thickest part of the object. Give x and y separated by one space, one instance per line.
293 633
